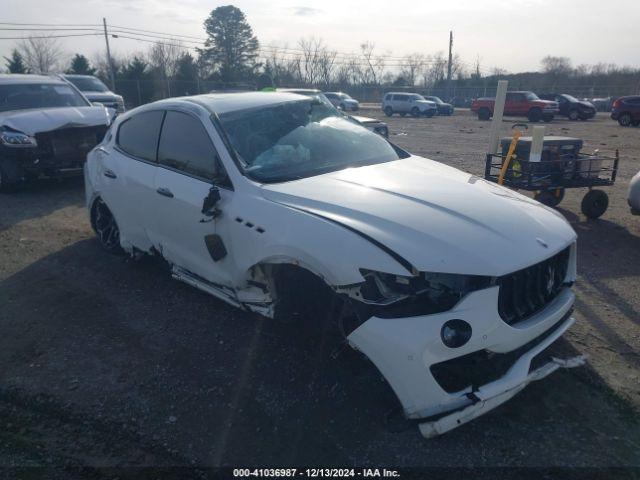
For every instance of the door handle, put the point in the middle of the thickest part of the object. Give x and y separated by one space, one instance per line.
165 192
109 173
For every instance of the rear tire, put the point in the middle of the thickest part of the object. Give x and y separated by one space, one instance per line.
388 111
624 119
573 114
484 114
535 115
594 203
105 226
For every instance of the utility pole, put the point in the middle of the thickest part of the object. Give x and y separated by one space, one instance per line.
106 39
449 65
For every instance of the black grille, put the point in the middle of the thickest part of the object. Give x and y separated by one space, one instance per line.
70 145
527 291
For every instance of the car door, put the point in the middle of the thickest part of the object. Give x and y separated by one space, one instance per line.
187 165
511 104
400 103
563 104
128 176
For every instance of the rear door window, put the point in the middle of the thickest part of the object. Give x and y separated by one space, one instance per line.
138 136
185 146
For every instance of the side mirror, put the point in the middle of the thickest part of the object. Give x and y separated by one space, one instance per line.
210 201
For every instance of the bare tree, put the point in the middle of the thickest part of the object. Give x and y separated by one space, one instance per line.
411 67
101 64
437 70
373 65
42 54
282 69
163 57
556 65
317 62
477 74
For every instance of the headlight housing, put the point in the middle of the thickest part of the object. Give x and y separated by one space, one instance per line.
390 296
13 139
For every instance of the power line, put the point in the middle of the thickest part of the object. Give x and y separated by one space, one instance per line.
53 36
177 40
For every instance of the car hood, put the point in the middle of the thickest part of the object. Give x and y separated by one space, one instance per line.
436 217
585 104
360 119
101 96
47 119
426 102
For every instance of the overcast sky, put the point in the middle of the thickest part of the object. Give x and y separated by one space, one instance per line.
510 34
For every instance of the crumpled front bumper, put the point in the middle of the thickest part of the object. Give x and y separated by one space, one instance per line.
405 349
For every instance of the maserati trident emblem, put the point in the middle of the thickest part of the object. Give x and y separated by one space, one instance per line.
551 275
542 242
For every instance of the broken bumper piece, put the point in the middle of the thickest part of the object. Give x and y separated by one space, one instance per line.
488 398
441 387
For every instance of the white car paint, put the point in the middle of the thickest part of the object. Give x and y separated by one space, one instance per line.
401 217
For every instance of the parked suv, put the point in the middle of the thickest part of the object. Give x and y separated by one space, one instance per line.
412 103
626 110
520 104
46 128
571 107
280 205
343 101
444 108
96 91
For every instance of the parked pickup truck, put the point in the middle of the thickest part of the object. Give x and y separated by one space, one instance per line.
518 104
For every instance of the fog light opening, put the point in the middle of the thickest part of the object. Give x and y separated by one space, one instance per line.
455 333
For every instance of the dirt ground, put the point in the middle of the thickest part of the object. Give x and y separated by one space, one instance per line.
108 362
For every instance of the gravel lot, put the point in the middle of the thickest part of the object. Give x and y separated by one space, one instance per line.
109 362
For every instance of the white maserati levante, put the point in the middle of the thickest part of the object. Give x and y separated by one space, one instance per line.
277 203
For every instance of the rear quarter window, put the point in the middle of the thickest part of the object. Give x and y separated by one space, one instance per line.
138 135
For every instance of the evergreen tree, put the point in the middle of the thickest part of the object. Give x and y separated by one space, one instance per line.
15 63
231 47
80 66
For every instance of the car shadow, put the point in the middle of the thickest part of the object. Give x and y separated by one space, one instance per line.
141 369
39 198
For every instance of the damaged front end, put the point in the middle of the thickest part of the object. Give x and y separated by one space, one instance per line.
55 153
453 347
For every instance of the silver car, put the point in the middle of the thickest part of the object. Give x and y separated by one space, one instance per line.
411 103
343 101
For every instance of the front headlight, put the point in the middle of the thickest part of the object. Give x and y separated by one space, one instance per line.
392 295
17 139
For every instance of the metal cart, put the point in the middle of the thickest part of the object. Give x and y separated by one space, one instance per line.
550 177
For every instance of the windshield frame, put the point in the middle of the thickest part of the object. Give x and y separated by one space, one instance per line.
91 79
